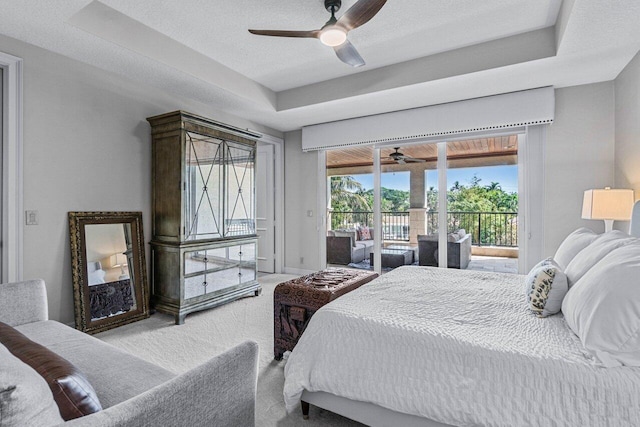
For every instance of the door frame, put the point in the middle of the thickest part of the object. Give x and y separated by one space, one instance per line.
530 190
268 212
278 176
12 168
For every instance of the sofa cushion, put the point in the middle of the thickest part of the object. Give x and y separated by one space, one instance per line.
25 397
347 233
71 391
115 375
428 237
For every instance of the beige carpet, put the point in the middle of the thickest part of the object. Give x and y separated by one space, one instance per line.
210 332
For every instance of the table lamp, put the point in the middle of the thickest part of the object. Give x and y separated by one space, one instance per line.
120 260
608 204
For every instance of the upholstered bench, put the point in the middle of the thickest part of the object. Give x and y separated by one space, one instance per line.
295 301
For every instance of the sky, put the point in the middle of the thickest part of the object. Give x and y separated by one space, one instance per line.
506 176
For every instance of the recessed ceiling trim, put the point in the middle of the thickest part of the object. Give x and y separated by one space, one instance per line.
510 110
522 48
115 27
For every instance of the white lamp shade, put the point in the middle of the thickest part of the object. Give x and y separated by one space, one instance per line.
118 260
608 204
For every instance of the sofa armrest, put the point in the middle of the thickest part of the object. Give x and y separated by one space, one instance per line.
465 239
220 392
23 302
339 250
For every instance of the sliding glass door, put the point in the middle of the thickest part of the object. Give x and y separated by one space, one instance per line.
441 204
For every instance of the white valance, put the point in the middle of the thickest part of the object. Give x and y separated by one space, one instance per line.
515 109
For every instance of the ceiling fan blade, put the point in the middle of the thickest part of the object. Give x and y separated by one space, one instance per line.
360 13
281 33
411 159
348 54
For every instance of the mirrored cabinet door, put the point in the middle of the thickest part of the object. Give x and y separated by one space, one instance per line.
239 193
214 270
204 177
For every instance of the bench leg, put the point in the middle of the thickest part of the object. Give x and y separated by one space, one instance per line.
305 409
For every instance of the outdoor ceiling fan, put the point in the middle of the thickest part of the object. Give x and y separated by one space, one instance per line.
334 32
400 158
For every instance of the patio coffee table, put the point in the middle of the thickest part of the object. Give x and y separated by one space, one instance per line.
393 258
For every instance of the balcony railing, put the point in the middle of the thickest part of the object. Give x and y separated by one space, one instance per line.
395 225
486 228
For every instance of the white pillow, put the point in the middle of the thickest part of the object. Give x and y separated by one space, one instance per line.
589 256
546 288
25 397
572 244
96 277
603 308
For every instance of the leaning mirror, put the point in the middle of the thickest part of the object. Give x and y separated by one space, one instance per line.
109 269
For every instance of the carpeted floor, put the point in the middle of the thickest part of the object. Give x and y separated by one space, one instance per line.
210 332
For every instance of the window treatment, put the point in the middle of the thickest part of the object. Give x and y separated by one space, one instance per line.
515 109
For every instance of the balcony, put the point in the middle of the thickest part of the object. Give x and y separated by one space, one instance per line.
498 229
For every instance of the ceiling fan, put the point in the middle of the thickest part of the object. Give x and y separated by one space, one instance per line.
401 159
334 32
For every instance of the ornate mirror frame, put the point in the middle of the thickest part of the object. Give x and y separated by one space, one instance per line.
79 263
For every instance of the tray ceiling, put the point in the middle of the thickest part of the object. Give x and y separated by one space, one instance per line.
418 52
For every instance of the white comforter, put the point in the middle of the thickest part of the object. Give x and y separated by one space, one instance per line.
461 348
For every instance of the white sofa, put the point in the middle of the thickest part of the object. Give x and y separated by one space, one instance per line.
132 391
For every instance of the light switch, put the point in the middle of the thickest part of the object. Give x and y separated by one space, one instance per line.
31 217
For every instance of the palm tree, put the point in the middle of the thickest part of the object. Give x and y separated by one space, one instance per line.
348 194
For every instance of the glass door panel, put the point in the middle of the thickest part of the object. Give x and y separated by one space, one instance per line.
482 202
350 206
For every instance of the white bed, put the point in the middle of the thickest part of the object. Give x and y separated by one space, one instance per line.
453 347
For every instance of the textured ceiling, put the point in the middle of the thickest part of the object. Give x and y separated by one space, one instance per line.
418 52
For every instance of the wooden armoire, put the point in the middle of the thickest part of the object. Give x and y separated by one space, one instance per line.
204 242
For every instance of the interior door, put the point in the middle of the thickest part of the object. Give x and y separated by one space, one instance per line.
265 208
2 232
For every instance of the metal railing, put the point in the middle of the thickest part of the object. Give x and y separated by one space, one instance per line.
486 228
395 225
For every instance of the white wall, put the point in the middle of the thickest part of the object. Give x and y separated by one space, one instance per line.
579 156
627 156
87 147
301 195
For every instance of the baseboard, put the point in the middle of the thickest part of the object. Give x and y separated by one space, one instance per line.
299 271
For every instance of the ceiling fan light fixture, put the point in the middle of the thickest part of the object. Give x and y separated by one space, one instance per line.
333 36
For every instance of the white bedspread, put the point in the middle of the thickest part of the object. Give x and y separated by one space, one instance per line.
458 347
